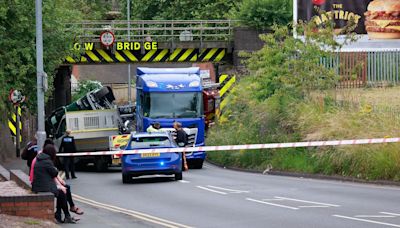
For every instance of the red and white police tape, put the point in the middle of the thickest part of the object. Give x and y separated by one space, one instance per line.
240 147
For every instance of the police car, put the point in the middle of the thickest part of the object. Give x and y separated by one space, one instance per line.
134 165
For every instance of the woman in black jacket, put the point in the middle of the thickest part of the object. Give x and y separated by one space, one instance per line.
44 173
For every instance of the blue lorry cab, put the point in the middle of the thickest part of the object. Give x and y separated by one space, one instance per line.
168 95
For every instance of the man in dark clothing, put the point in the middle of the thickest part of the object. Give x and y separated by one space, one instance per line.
30 151
68 146
182 141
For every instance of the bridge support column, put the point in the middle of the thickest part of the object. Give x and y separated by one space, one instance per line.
62 89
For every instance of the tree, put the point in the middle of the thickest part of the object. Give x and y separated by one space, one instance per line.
17 39
85 86
262 14
179 9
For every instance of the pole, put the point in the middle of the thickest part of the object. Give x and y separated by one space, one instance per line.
295 18
129 39
18 132
41 134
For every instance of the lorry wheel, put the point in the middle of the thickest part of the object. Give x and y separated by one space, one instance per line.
101 164
126 178
198 164
178 176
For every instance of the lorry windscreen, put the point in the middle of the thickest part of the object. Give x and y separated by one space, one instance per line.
172 105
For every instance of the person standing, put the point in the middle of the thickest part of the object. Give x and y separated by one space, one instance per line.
155 127
182 141
30 151
68 146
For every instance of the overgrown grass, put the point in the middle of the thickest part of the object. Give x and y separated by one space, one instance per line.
281 118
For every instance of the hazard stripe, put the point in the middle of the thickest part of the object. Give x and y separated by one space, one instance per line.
220 56
100 56
12 128
188 55
148 55
92 56
222 78
227 86
209 54
162 56
156 55
172 57
130 56
194 57
105 55
70 59
83 59
223 104
185 55
119 57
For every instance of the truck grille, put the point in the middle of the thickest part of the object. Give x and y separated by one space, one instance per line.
191 133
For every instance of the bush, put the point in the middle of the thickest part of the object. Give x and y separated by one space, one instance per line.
262 14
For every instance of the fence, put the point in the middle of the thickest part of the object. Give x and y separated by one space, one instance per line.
358 69
157 30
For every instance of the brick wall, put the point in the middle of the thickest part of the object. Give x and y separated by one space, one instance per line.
37 206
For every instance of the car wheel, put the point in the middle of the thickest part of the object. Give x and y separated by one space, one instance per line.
126 178
178 176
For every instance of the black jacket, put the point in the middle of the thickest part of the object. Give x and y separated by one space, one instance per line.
43 175
181 138
29 152
67 145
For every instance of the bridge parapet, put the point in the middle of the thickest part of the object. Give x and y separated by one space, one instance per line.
168 33
152 40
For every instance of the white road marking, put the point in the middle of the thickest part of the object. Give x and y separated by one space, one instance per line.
273 199
306 201
374 216
227 189
184 181
367 220
389 213
310 206
136 214
212 190
272 204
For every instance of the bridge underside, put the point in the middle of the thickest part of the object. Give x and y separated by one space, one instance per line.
103 56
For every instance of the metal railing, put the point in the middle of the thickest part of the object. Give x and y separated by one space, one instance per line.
154 30
357 69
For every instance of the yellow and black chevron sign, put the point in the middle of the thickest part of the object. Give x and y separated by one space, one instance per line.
212 54
12 123
226 82
184 55
101 56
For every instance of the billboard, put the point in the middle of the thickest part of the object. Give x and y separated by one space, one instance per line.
376 19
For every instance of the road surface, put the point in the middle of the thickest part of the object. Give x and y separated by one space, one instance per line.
216 197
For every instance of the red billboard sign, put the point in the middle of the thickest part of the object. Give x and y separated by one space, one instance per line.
380 19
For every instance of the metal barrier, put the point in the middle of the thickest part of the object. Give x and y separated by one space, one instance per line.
358 69
157 30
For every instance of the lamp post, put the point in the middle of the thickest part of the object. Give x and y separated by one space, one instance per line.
129 39
40 74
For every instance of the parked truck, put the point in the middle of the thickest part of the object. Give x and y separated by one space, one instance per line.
167 95
92 120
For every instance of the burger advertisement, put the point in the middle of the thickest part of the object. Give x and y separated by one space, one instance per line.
377 19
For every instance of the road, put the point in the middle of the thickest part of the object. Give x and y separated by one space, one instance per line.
216 197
